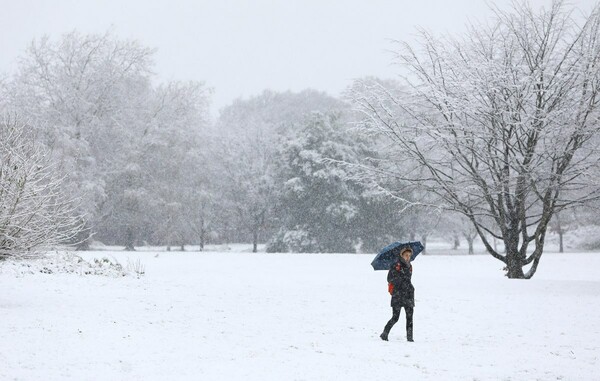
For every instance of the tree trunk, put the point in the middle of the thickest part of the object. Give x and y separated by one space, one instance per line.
561 248
202 236
424 242
514 263
130 244
514 270
470 242
560 232
259 223
255 241
456 242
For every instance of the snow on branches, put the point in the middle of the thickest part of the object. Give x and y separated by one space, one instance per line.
34 212
503 121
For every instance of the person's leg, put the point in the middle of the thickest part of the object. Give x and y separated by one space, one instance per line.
409 323
390 323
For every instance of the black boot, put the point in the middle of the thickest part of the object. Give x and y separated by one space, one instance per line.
384 336
409 335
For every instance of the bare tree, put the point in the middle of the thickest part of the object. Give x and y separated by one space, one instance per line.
34 212
502 120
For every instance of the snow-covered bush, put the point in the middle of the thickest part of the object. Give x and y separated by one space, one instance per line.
297 240
34 210
66 262
276 244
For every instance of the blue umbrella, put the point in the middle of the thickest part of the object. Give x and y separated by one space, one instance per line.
389 254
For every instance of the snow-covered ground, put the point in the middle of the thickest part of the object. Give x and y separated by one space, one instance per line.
244 316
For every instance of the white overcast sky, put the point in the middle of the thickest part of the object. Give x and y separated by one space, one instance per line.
240 48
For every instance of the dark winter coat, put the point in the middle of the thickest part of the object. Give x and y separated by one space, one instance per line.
402 290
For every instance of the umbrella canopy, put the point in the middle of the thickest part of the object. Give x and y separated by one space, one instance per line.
389 254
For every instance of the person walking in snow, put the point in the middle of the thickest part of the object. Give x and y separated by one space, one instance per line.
403 293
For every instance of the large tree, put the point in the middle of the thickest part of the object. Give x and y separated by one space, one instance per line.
502 120
128 148
250 133
84 94
157 189
321 207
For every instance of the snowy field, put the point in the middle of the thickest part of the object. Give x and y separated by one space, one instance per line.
244 316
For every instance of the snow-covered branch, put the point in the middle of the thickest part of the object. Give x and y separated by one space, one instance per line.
34 211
